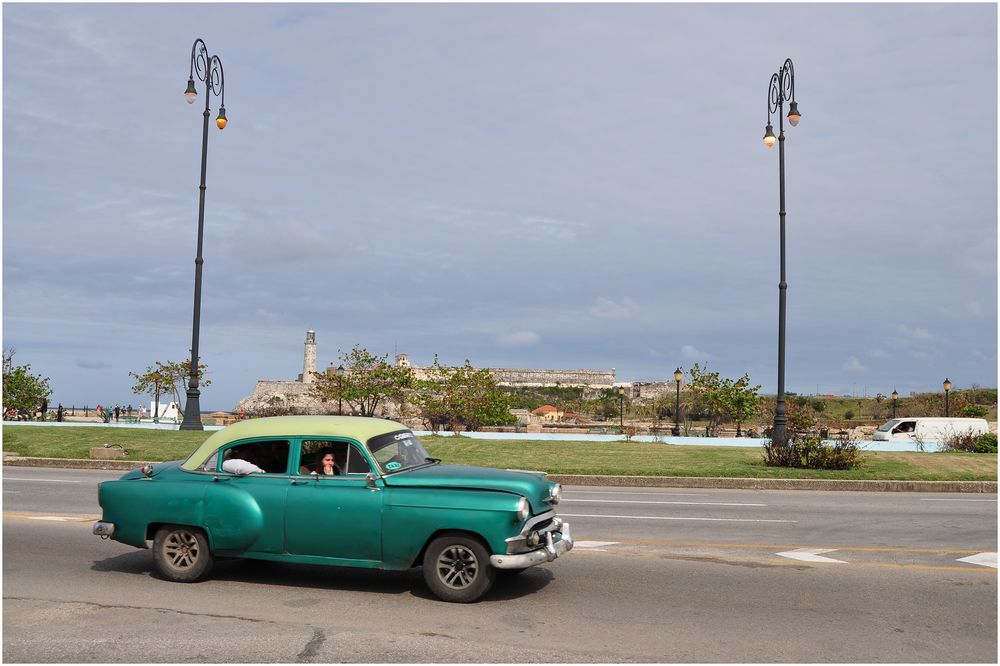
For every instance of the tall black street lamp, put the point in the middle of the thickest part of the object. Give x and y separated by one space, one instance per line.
780 90
340 390
947 392
895 396
207 68
677 403
621 407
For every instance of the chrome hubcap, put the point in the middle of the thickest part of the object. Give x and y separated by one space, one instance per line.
181 549
457 567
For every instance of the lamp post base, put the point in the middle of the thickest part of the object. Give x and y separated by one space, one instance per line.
192 411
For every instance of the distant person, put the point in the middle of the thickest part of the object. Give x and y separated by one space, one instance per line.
142 412
100 414
118 411
45 407
59 413
130 410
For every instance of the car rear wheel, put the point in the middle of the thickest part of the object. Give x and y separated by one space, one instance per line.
180 554
457 568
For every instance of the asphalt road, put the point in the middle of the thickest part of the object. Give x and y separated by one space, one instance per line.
658 575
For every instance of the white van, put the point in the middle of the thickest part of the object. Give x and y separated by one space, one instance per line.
928 429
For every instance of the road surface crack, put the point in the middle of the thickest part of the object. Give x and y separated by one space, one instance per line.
146 608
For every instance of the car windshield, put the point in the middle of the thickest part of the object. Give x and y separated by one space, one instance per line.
398 451
888 425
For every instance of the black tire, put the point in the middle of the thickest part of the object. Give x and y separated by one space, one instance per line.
457 568
181 554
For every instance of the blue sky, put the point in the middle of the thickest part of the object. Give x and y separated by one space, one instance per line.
564 186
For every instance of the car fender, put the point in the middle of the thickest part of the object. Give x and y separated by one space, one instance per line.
411 516
232 517
135 504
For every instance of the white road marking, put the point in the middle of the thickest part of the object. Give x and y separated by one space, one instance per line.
946 499
811 555
609 501
9 478
610 492
982 559
593 544
714 520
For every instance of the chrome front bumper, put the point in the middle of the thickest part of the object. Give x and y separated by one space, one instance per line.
550 551
104 530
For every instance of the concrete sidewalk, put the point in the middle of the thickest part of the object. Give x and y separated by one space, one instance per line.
621 481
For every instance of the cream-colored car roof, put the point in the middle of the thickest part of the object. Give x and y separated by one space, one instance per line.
355 427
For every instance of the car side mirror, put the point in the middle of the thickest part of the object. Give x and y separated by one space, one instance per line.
370 481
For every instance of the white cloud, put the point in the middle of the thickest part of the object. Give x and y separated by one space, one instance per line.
518 339
880 354
607 308
852 364
690 353
915 334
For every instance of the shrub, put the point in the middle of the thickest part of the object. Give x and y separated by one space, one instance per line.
971 443
849 415
985 443
812 453
975 411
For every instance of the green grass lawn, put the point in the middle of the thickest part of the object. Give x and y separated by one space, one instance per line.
611 458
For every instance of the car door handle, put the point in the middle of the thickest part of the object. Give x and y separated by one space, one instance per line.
299 482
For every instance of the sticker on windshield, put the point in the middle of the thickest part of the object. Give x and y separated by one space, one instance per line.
393 466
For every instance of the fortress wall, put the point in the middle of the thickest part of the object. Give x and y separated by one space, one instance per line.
531 377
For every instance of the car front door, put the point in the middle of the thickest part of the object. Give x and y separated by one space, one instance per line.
335 517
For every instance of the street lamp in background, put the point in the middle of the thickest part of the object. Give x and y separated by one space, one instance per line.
208 68
947 391
340 390
621 407
895 397
677 403
780 90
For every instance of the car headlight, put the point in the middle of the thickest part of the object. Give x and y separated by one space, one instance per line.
555 494
523 510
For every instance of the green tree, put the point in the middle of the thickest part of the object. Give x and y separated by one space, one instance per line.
740 400
21 389
721 397
167 378
462 397
368 381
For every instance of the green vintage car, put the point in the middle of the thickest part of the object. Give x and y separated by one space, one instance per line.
335 490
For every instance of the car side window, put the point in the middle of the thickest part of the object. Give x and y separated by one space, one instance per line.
268 456
318 454
356 462
347 459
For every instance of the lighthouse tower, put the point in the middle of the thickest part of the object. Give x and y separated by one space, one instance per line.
309 362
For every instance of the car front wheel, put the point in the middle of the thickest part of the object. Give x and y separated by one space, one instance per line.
180 554
457 568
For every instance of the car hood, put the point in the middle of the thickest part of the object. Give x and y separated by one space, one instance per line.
532 486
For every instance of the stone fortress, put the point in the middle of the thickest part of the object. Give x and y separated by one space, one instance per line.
294 396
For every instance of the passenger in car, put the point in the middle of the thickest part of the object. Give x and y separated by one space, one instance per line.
239 462
327 464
